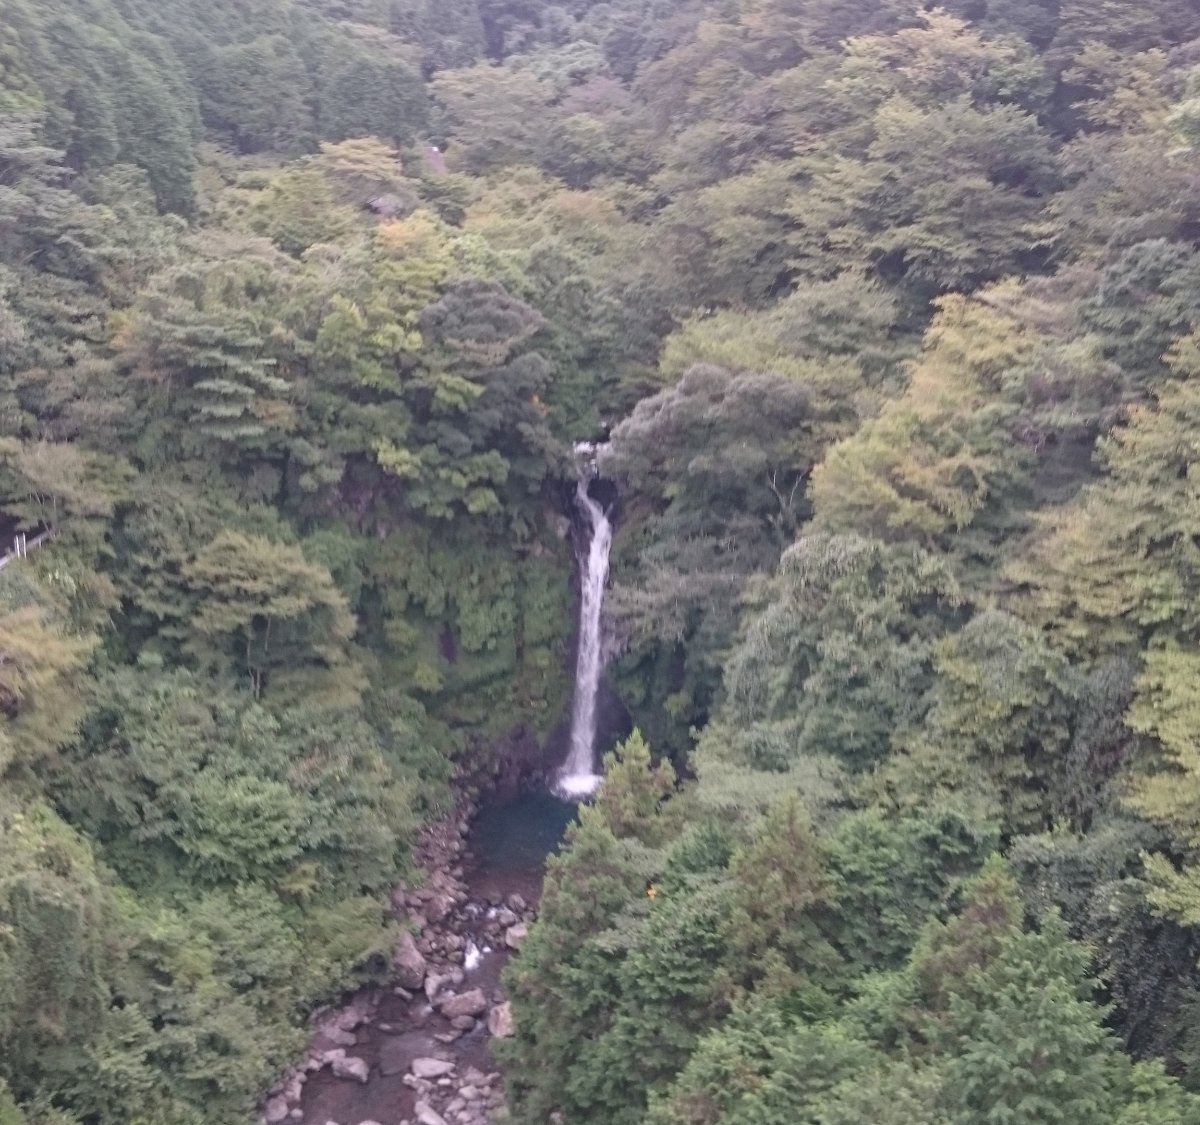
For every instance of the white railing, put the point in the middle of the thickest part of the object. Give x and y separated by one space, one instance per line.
22 545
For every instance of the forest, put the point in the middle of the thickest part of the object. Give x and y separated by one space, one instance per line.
891 314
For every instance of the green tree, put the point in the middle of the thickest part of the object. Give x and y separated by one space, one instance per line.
715 495
365 86
562 984
57 917
780 892
112 91
1000 724
934 457
1119 565
263 607
632 797
1163 710
41 679
492 116
199 337
260 95
838 658
10 1112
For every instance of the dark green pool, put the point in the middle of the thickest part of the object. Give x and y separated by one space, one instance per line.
510 841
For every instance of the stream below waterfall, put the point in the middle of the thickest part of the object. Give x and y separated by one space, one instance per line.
419 1052
507 847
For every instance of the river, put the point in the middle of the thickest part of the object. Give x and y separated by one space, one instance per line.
507 847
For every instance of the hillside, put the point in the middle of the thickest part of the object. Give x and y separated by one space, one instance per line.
891 316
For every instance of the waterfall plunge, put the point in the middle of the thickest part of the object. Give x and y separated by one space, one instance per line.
578 777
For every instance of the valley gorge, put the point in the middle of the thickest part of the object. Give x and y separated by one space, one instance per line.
578 563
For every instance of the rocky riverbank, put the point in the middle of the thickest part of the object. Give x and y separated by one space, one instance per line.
418 1052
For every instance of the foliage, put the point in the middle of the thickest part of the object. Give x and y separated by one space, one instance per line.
890 313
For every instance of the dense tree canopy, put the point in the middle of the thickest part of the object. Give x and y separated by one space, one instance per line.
891 312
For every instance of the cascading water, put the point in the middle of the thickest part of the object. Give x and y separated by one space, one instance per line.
578 777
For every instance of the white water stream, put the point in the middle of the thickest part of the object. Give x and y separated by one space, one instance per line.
578 777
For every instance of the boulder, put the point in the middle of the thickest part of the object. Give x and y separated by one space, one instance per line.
330 1035
276 1110
500 1021
431 1068
506 917
517 902
351 1067
463 1023
393 1057
472 1003
433 984
351 1016
427 1115
408 961
514 936
439 906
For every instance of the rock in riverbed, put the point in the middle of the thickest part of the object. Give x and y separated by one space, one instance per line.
427 1115
431 1068
430 984
409 962
434 984
472 1003
351 1067
331 1036
500 1021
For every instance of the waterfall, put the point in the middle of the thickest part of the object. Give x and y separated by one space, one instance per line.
578 777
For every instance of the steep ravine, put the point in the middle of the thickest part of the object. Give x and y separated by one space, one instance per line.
419 1050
